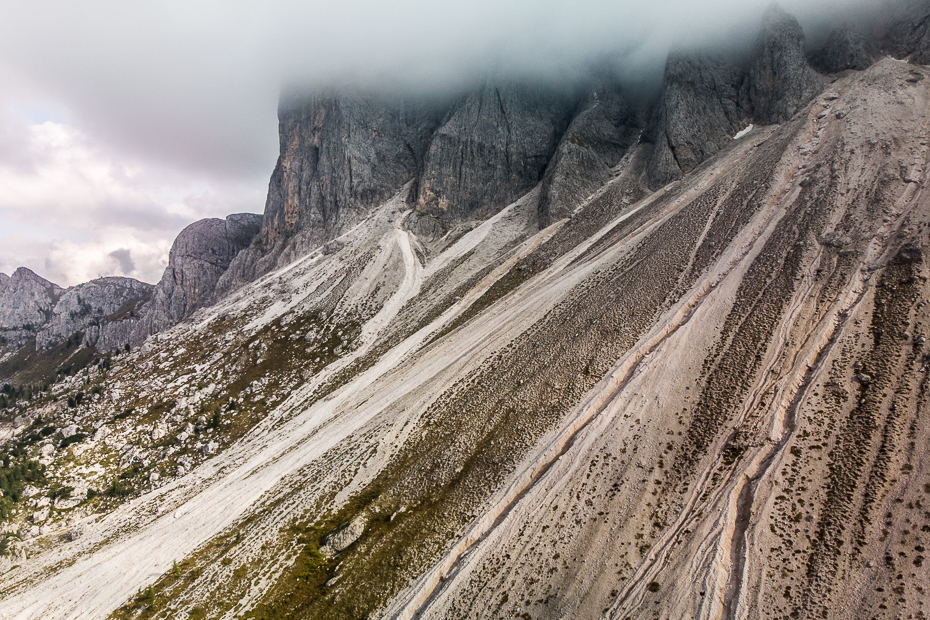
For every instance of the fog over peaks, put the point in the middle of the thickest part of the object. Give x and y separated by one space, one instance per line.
122 122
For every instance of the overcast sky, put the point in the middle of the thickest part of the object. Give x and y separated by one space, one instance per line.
122 122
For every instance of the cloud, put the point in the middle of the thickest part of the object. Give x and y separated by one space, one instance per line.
123 258
74 207
142 117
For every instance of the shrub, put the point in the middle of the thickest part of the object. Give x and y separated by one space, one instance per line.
72 440
653 586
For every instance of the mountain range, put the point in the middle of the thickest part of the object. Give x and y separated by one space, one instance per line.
536 349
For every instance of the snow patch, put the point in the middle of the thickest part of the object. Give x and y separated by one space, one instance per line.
742 133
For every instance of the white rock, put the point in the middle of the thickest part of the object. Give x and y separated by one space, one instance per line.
65 504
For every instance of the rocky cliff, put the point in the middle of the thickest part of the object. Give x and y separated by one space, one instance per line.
493 147
906 34
26 304
707 98
846 49
603 128
341 155
199 257
103 310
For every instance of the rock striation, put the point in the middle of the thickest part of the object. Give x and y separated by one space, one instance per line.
201 254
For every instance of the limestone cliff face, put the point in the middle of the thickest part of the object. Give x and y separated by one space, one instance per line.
707 98
341 154
26 304
492 147
907 35
600 133
200 255
845 49
704 102
781 82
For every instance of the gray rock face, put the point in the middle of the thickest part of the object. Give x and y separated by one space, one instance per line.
707 98
200 255
341 154
908 32
845 49
596 140
104 310
26 304
781 82
704 102
492 147
92 307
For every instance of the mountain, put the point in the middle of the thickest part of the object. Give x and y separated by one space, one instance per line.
199 258
574 353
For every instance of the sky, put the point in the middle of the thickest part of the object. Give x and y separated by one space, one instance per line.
121 122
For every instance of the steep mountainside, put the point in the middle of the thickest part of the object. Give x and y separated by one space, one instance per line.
538 389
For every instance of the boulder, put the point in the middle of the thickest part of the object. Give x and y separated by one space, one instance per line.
343 538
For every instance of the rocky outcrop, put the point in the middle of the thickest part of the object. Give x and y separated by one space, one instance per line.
200 255
599 135
704 102
781 82
103 310
105 306
493 146
845 49
907 34
707 98
341 154
26 304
